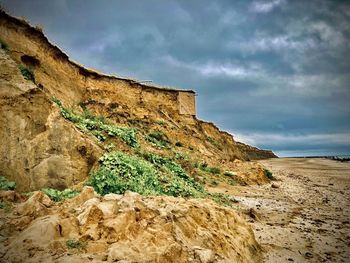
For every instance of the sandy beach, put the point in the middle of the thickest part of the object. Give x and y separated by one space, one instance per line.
303 216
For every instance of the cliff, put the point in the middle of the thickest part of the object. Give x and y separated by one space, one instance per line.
43 149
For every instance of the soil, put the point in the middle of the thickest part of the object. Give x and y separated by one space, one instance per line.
303 216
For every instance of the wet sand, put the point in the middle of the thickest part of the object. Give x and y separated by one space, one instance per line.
303 216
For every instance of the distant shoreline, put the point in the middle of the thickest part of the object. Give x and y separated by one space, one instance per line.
340 158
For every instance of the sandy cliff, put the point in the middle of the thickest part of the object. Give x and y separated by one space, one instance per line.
41 144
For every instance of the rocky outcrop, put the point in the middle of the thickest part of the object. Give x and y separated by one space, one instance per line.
130 228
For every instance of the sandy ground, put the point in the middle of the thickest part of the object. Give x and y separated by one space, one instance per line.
304 216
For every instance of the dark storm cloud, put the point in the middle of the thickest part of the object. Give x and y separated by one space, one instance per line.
275 73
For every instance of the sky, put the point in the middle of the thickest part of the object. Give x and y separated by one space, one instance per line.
273 73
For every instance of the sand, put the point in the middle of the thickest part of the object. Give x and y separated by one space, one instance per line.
304 215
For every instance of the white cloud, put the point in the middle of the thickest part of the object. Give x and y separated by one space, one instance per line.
212 69
275 43
265 7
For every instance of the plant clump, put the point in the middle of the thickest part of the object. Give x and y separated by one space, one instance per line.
269 174
208 169
6 184
57 195
158 139
98 125
77 244
26 73
120 172
3 45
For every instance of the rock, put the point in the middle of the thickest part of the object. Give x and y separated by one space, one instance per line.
205 255
35 206
112 197
275 185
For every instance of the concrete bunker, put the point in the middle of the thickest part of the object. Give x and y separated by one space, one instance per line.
186 102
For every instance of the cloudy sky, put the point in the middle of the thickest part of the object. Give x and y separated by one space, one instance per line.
274 73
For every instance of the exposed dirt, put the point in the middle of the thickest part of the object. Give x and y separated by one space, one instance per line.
304 215
42 149
124 228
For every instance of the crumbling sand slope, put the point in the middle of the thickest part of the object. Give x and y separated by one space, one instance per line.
42 149
124 228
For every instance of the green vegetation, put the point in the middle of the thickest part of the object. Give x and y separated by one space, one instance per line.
27 73
181 156
214 143
161 122
229 173
2 205
212 170
223 199
269 174
214 183
5 206
6 184
72 243
98 125
120 172
3 45
57 195
158 139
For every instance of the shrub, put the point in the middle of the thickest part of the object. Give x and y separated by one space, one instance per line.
98 125
72 243
3 45
269 174
158 139
57 195
212 170
27 73
6 184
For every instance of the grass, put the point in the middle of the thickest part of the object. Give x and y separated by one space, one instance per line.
26 73
158 139
5 206
208 169
214 143
269 175
6 184
181 156
3 45
229 174
223 199
58 196
75 244
98 125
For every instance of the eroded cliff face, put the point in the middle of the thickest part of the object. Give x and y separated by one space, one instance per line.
58 118
40 148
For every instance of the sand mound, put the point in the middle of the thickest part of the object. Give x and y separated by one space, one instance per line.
130 228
